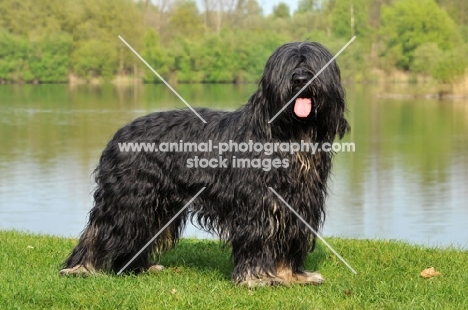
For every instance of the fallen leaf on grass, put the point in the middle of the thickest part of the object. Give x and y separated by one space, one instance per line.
348 292
429 273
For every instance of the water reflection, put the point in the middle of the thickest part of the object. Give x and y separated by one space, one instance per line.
406 180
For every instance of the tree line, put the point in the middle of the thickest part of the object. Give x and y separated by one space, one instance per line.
226 41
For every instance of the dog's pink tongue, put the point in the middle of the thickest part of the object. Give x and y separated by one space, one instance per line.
302 107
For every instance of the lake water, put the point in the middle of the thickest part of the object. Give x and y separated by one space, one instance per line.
407 179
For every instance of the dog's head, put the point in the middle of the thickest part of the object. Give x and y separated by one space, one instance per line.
299 72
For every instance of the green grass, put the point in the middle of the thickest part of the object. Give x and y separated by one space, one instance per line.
197 276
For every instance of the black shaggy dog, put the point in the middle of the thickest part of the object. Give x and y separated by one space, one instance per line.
139 192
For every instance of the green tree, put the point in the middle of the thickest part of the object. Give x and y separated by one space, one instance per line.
94 59
103 21
457 9
14 57
186 20
247 8
16 16
218 60
156 57
349 18
246 15
49 58
185 65
410 23
307 6
426 58
451 66
281 10
52 16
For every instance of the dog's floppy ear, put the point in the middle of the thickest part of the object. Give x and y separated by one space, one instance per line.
343 127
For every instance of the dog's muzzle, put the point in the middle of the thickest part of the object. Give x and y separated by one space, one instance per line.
303 103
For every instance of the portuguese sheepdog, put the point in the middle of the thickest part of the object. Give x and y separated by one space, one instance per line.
139 192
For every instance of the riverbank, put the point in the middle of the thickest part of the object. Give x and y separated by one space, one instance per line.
404 85
197 275
394 85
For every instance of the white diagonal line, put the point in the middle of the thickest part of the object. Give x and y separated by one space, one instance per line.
308 83
160 231
313 230
163 80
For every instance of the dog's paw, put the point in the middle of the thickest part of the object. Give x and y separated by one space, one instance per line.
259 282
307 277
155 268
78 270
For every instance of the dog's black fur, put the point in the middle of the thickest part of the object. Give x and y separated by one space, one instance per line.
138 192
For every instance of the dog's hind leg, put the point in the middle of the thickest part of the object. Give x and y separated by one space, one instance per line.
166 241
94 253
148 260
78 263
125 217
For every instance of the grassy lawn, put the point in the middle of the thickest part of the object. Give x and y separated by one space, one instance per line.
197 276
